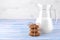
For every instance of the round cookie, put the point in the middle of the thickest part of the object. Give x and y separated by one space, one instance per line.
34 26
34 34
34 30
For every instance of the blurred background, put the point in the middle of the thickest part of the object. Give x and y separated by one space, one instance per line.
26 9
12 13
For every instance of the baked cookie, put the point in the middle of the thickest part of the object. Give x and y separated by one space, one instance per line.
33 26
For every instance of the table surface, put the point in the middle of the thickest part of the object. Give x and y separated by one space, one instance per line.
17 29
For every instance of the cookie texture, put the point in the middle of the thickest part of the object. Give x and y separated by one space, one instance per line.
34 30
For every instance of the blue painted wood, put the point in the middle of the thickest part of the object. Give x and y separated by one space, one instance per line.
13 29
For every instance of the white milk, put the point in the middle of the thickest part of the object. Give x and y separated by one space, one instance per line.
44 19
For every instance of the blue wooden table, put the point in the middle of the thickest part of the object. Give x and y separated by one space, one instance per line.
16 29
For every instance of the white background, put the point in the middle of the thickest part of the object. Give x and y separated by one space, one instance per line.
25 9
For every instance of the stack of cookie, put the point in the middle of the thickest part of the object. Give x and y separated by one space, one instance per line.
34 30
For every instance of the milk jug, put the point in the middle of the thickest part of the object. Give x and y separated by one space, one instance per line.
44 18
